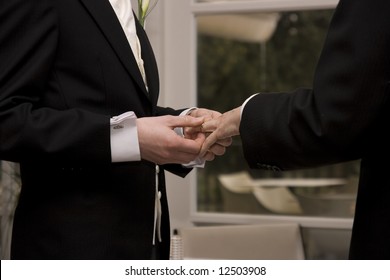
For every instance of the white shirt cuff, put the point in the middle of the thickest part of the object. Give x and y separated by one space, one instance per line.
198 162
124 138
246 101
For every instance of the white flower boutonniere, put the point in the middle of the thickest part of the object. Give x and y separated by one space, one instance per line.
144 9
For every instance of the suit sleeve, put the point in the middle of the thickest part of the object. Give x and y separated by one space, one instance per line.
333 121
29 130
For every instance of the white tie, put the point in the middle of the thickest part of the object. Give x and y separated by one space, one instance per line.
125 15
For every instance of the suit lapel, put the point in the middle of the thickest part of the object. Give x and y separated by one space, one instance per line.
107 21
151 69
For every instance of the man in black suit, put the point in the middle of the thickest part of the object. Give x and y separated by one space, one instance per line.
78 110
344 117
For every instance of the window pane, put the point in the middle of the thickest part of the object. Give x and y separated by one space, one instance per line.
241 54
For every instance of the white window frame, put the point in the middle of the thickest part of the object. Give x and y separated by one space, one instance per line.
173 34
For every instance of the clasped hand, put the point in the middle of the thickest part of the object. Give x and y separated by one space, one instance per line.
221 128
159 143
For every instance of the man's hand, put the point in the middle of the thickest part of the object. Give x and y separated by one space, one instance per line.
224 127
160 144
216 149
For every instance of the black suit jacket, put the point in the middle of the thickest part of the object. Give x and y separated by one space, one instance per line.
66 69
345 116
